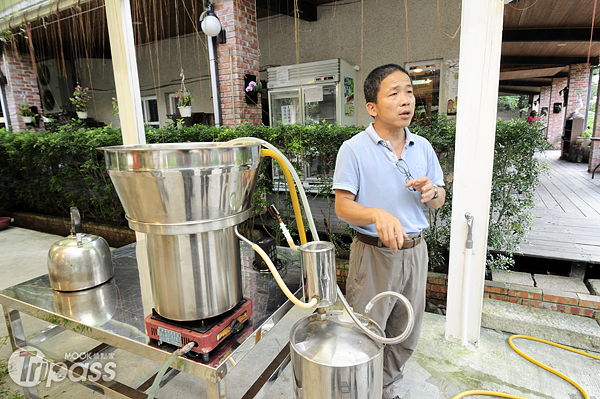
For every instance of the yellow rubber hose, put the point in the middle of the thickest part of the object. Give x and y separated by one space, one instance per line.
293 194
537 363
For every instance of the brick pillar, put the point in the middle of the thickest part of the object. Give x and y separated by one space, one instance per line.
21 87
236 58
545 93
579 82
556 121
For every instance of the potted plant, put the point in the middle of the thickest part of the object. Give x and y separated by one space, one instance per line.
26 113
585 139
80 99
254 87
184 102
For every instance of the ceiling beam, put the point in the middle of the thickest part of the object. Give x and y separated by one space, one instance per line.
550 35
515 90
306 11
547 61
526 83
530 73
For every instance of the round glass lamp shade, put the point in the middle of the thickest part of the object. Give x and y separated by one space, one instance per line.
211 25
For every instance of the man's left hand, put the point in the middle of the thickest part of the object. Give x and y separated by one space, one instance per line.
424 186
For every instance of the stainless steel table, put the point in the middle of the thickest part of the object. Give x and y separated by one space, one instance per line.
114 315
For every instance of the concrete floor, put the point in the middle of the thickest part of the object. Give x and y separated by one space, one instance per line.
438 369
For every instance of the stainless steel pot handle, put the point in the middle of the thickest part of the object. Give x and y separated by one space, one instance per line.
76 227
363 322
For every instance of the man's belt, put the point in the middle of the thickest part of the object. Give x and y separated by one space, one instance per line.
375 241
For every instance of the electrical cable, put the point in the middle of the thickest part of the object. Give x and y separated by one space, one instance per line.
537 363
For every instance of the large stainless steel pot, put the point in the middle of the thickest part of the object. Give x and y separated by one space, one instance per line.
79 261
333 359
187 197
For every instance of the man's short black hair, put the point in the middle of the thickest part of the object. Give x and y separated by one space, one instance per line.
373 81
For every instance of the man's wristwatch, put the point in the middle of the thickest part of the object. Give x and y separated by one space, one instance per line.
436 191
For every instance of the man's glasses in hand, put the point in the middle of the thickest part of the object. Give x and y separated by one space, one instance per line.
403 168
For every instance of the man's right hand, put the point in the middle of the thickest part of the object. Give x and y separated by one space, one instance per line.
390 230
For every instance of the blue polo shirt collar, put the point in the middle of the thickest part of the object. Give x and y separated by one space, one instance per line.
410 139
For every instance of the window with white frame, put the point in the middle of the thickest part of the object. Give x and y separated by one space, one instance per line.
150 111
173 110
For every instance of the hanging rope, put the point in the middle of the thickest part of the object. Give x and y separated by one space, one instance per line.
408 55
521 9
179 48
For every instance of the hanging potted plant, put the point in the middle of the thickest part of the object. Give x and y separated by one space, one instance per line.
184 102
26 113
254 87
80 99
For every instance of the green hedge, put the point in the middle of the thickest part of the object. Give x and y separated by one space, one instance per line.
48 172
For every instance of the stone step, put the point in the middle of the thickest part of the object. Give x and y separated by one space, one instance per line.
576 331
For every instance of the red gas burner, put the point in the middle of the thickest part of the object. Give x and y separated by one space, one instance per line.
207 333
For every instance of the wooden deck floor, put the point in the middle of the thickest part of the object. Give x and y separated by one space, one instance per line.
567 213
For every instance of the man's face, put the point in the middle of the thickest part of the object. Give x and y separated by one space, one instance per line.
395 101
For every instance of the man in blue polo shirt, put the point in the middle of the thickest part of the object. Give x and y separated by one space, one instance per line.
384 178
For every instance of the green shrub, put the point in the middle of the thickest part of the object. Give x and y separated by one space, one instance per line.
515 177
48 172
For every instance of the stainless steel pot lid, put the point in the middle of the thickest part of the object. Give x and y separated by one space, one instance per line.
334 343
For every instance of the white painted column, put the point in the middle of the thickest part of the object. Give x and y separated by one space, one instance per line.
127 83
479 70
122 46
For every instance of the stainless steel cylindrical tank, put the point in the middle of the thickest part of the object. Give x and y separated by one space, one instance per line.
317 259
332 359
187 198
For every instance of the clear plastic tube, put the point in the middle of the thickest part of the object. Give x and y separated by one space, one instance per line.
313 229
313 302
166 365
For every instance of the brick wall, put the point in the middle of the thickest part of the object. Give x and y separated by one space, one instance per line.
21 87
342 273
545 94
437 288
236 58
565 302
594 152
115 236
579 81
556 121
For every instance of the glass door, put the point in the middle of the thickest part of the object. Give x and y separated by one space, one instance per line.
150 112
320 104
426 77
284 106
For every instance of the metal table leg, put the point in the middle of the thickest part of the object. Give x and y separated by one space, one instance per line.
216 390
16 335
594 171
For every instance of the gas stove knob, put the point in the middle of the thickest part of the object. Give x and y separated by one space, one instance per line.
236 326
